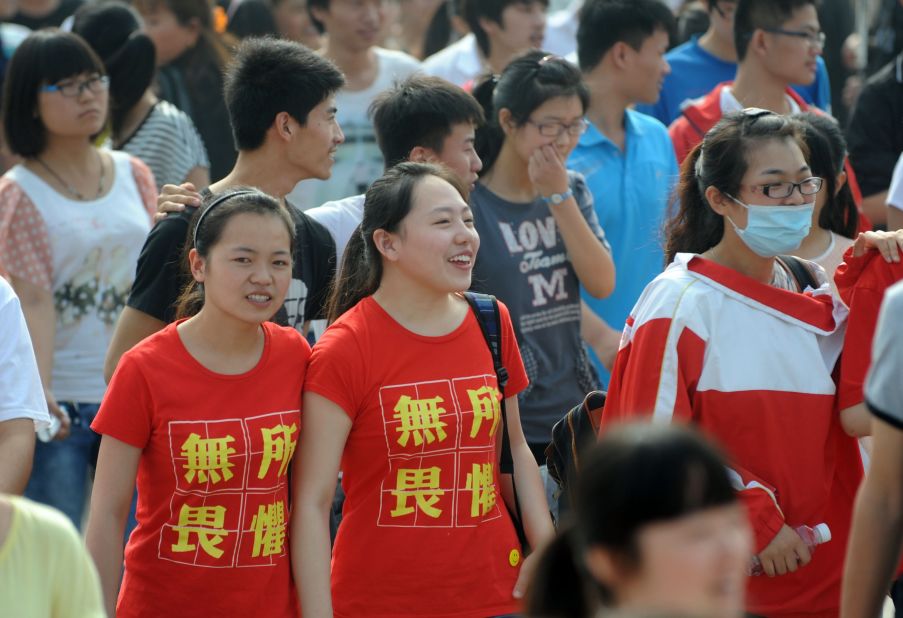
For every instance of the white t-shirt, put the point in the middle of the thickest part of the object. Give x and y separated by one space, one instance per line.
883 387
729 102
561 30
458 63
358 161
895 193
21 393
341 218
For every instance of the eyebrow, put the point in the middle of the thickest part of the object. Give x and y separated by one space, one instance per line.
255 251
777 171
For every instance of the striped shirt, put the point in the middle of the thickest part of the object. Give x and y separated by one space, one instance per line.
168 143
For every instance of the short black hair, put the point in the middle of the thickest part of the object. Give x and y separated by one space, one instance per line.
44 57
420 111
474 10
268 76
752 15
606 22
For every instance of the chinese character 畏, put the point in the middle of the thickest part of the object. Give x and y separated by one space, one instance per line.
420 418
423 485
207 456
204 521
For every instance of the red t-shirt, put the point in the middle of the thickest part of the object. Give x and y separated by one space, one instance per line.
861 282
424 529
213 504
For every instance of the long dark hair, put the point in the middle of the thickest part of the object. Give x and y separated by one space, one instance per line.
827 152
526 83
719 161
208 224
636 475
388 201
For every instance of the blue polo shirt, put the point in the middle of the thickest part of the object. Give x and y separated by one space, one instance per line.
695 72
631 191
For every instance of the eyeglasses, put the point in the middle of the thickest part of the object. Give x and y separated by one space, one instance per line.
72 88
556 129
815 39
726 8
780 190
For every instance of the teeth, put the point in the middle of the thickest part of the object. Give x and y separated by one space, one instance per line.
463 259
258 298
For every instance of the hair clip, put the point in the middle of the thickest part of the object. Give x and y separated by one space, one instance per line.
548 57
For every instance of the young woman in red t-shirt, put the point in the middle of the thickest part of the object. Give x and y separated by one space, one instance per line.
402 394
206 415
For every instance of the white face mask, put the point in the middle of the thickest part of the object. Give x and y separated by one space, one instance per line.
774 230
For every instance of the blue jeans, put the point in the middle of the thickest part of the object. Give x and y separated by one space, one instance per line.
59 477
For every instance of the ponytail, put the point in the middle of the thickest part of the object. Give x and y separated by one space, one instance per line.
489 136
561 586
695 227
359 276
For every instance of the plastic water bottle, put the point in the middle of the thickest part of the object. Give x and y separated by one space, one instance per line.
811 537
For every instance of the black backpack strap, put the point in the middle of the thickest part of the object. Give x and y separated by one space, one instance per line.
799 270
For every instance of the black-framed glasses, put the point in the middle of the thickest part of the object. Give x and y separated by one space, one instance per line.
780 190
555 129
815 39
75 88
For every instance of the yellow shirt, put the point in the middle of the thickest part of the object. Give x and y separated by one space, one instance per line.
45 570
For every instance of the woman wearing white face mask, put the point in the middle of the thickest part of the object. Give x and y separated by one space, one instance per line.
741 353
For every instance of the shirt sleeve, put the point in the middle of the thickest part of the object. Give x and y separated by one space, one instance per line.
24 241
514 364
655 375
126 412
147 186
159 276
884 388
21 393
337 368
584 198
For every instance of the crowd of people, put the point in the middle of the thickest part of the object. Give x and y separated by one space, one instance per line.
293 293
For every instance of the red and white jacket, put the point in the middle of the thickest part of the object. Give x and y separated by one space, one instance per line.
751 365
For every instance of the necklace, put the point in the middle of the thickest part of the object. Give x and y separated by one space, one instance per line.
69 187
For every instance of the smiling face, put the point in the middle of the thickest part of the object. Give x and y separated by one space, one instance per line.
313 146
247 272
436 244
694 565
559 111
646 68
81 115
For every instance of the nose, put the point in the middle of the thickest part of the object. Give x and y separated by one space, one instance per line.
262 273
666 67
476 163
339 137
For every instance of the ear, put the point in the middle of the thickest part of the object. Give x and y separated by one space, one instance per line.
284 125
621 54
758 43
197 265
841 180
506 121
489 26
717 200
422 154
386 243
318 12
604 567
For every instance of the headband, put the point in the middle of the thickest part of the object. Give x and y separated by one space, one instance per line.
219 200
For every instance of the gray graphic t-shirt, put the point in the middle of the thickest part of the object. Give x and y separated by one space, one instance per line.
523 261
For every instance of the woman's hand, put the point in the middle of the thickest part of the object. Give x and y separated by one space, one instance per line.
525 576
888 243
547 171
785 554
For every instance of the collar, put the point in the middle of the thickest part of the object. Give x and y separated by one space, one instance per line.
729 102
819 311
594 137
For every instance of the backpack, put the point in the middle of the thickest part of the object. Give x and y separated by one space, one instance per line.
577 430
486 309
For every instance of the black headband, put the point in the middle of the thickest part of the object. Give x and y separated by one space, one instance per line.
219 200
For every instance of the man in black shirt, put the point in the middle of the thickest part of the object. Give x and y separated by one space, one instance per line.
281 101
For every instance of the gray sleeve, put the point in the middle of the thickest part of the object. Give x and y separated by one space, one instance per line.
884 384
584 198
